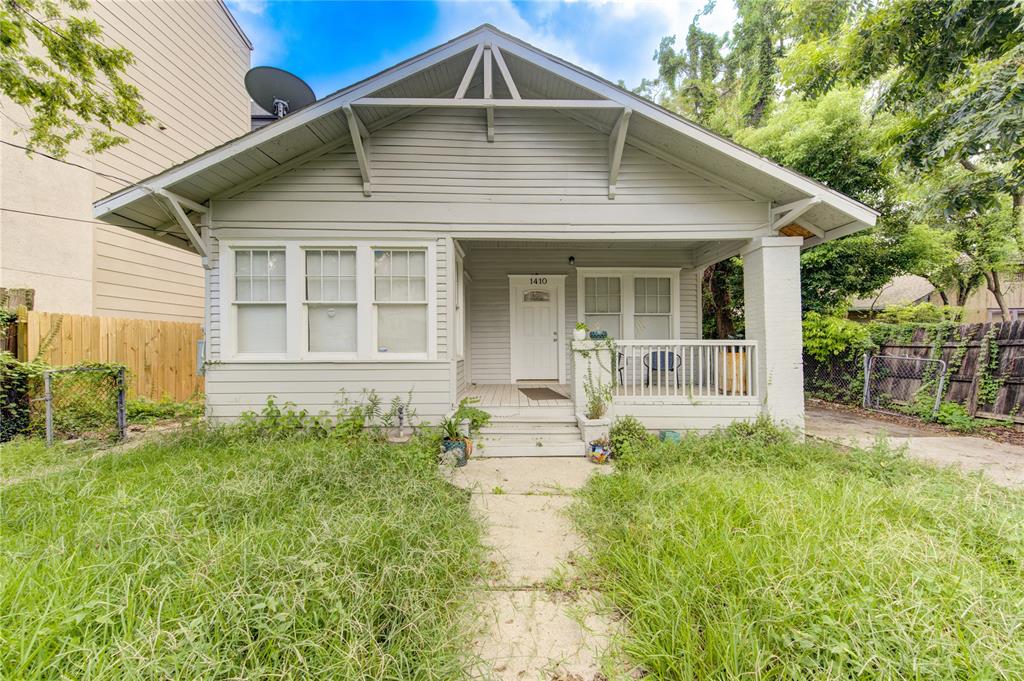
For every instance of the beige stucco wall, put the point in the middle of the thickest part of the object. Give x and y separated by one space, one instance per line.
190 64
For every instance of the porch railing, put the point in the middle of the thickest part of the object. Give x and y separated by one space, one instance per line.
686 369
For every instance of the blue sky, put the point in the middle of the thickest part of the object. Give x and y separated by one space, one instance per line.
331 44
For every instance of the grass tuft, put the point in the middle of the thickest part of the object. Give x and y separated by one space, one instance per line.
748 554
208 555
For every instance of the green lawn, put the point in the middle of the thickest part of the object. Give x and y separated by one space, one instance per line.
747 555
213 555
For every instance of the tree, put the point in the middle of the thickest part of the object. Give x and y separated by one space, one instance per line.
54 64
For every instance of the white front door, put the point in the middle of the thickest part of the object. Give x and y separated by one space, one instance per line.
537 311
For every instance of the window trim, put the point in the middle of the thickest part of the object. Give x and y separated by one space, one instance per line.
430 303
306 353
296 315
627 276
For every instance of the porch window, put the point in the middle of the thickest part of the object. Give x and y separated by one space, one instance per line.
260 301
652 308
331 306
603 304
400 296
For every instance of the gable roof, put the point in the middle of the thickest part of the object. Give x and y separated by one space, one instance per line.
305 133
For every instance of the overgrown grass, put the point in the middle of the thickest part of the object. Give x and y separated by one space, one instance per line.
145 410
211 555
748 555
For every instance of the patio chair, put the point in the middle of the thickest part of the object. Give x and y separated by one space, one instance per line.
662 361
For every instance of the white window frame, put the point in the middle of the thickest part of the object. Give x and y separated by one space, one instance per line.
295 299
430 293
627 276
230 305
306 352
460 307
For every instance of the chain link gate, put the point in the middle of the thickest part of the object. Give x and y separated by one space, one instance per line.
82 402
904 385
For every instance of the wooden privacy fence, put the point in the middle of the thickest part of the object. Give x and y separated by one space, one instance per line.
160 355
985 364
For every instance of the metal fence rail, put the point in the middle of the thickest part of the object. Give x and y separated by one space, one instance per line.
904 384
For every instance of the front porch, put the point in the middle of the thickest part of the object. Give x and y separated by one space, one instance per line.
517 305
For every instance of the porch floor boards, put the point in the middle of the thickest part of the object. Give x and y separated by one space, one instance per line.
509 395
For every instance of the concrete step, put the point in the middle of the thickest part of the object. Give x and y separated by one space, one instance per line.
530 428
505 449
559 413
524 439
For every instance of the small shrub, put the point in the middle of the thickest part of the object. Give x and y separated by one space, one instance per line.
478 418
627 434
955 417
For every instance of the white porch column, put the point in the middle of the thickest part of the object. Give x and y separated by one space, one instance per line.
771 293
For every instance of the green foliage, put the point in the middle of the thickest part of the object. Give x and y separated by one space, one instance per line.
599 396
990 380
918 314
750 554
955 417
350 421
627 434
215 555
56 65
450 428
478 418
145 410
827 336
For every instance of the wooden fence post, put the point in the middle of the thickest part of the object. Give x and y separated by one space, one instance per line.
21 330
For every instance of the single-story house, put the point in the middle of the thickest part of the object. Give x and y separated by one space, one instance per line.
442 226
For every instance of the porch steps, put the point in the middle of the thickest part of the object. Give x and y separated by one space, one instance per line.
542 433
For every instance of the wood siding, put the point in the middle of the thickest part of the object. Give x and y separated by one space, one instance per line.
489 333
234 388
190 61
544 176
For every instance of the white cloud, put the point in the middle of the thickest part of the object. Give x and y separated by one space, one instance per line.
269 43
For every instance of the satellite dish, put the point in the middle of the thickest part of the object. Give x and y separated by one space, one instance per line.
277 91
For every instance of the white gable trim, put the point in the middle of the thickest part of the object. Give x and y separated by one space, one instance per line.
612 95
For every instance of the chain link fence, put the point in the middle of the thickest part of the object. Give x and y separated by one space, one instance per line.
85 403
838 379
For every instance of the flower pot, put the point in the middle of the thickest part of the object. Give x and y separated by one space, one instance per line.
598 335
579 334
593 429
456 448
599 454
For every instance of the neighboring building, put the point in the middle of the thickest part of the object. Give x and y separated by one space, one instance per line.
191 58
909 289
439 229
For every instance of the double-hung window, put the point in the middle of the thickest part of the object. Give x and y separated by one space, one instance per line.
630 303
602 298
260 301
400 299
652 308
331 304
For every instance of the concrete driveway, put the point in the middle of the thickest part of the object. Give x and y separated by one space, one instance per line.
1002 463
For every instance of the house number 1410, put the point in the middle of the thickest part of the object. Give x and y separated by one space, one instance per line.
535 281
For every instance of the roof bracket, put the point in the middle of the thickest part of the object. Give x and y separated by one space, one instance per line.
357 131
174 203
788 213
616 143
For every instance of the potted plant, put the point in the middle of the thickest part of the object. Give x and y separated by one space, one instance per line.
595 422
471 420
453 443
600 450
580 332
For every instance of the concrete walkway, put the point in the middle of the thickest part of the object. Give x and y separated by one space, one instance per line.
1002 463
533 631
